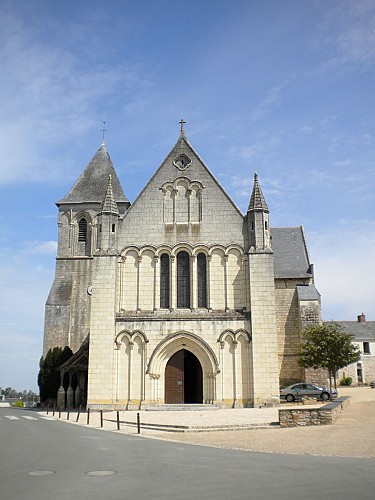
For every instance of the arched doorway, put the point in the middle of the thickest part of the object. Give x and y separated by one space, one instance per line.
183 379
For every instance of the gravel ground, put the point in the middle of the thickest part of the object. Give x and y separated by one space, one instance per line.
352 435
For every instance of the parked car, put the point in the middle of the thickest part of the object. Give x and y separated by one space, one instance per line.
372 384
298 391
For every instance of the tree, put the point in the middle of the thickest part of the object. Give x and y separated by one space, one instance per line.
326 346
49 377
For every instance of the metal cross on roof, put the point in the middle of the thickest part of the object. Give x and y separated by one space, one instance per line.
182 123
104 130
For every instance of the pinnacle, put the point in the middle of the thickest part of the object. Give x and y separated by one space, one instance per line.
257 201
109 204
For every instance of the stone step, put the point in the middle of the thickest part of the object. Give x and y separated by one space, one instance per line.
182 407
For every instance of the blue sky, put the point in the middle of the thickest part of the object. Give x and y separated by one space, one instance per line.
283 88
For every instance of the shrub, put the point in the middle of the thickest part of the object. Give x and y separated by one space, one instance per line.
346 381
19 404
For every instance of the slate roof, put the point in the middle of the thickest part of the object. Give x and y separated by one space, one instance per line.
361 331
92 183
308 292
291 258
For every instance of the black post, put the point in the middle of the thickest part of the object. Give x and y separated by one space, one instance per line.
54 408
79 411
88 416
101 418
67 417
60 412
139 423
118 420
47 409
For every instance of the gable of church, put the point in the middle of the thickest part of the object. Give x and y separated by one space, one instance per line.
182 202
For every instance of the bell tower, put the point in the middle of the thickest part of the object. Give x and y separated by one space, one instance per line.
262 301
258 219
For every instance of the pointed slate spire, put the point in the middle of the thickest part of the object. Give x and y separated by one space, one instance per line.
109 204
90 186
257 201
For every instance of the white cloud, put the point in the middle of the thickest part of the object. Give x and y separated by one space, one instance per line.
50 96
271 100
306 129
348 29
41 247
345 270
25 284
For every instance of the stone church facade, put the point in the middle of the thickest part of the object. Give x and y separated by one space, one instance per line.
178 298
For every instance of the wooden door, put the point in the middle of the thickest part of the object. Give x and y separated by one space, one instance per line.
174 379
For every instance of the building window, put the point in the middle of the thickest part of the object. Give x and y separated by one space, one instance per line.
366 348
202 280
82 230
164 281
183 280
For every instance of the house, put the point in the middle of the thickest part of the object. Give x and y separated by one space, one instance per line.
364 337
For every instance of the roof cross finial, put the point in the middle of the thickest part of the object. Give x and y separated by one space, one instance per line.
182 123
104 130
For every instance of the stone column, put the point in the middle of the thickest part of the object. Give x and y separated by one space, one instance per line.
226 257
156 283
193 281
70 397
209 259
61 398
138 281
173 279
235 402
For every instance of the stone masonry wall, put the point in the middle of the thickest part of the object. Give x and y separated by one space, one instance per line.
288 331
301 417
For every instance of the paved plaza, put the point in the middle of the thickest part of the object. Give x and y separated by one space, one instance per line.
352 435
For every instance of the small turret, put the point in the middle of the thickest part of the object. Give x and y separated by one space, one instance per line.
107 221
258 219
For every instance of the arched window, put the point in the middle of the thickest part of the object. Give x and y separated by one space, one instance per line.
183 280
164 281
202 280
82 230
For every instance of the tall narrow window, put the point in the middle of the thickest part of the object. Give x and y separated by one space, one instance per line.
202 280
82 230
366 348
183 280
164 281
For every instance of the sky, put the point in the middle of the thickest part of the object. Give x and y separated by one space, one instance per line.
282 88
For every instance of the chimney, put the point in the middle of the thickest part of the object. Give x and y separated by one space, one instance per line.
362 318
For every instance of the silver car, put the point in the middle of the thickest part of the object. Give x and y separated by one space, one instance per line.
298 391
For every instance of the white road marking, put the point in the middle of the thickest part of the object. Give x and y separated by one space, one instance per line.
29 418
11 417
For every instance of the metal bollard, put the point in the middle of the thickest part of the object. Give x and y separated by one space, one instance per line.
47 409
101 418
54 409
67 417
60 412
79 412
88 416
118 420
139 423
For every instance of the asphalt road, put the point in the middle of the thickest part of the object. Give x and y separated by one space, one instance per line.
42 459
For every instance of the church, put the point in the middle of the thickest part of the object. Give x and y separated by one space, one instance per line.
177 298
